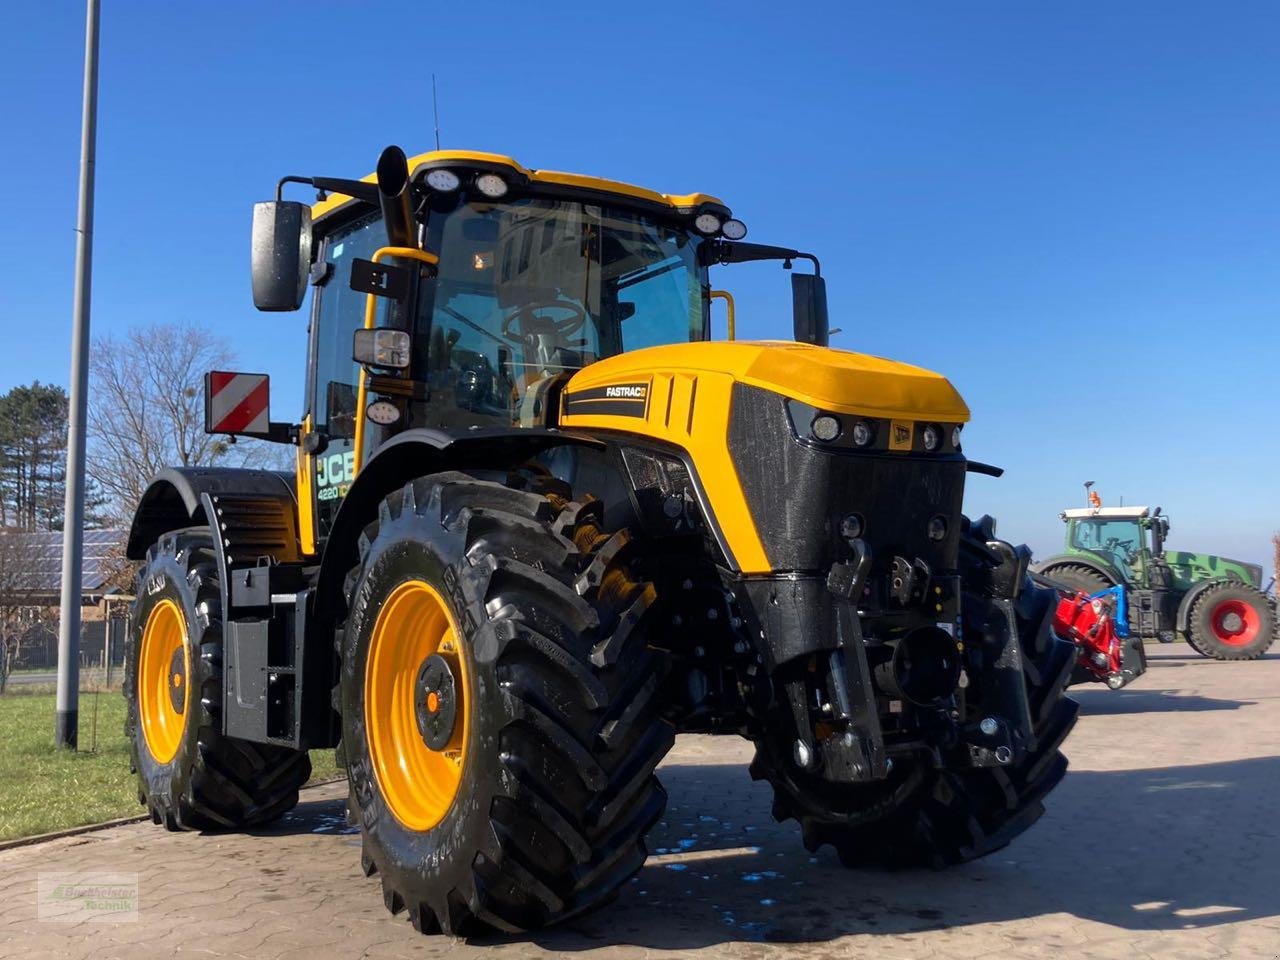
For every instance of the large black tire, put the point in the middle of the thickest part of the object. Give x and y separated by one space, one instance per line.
1078 577
1210 625
921 816
557 788
213 782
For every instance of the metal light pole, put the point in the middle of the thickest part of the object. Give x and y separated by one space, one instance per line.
66 723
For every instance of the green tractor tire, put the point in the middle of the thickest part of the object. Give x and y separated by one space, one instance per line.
1078 577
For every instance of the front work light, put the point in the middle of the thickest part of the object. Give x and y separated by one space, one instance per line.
491 185
707 223
383 412
825 427
734 229
955 437
862 434
381 348
931 437
444 181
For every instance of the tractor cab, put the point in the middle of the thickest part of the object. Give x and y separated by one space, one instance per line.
460 291
1129 540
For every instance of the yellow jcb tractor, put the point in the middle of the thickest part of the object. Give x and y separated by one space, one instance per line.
541 523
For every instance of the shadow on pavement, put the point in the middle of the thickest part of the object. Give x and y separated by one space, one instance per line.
1151 849
1158 849
1179 654
1099 701
311 816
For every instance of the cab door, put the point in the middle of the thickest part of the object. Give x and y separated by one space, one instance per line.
333 377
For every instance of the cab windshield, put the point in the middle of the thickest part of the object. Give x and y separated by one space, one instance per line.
1122 539
535 288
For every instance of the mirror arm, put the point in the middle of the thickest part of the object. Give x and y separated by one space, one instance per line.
283 433
817 267
356 189
724 251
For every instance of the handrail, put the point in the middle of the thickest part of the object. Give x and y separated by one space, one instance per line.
371 315
727 297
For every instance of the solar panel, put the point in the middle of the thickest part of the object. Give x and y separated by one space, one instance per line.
37 560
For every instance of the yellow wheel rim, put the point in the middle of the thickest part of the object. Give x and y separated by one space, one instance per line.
164 669
418 783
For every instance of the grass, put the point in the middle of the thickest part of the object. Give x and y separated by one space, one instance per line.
44 788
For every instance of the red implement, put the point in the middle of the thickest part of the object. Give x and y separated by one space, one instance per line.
1090 624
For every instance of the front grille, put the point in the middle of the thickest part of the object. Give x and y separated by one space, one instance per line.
799 493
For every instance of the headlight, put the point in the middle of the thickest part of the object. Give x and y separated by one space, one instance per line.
862 434
937 527
734 229
707 223
491 185
931 437
955 437
825 427
381 347
445 181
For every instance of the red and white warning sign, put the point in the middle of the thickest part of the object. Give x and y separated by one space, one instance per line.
236 402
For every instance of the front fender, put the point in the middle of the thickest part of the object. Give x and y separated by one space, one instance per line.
416 453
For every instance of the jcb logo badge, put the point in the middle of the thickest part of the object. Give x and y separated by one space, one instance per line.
900 435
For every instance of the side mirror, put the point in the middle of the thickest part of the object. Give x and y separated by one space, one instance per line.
809 307
237 403
281 254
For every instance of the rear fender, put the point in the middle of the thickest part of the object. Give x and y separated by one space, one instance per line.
179 497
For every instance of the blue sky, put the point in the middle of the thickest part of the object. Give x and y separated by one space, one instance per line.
1071 210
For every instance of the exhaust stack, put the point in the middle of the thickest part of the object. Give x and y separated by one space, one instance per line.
394 197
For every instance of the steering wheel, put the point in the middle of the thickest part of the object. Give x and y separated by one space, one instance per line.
1116 545
533 324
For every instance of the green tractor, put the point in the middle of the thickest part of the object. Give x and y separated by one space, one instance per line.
1216 604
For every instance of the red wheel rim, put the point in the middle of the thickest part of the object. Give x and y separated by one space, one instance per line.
1234 623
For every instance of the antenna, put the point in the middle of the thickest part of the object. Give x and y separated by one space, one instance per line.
1091 498
435 109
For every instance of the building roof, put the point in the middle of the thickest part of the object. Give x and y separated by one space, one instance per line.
37 556
1114 512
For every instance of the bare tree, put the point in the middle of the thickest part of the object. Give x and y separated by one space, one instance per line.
146 411
17 615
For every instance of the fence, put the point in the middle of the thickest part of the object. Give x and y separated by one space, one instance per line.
101 644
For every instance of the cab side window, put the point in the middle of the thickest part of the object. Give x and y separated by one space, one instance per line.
336 375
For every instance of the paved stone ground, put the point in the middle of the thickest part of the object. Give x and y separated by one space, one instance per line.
1162 842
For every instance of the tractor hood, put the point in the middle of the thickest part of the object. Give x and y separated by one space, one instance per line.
1195 567
835 380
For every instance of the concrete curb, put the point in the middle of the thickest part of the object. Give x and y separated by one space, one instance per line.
108 824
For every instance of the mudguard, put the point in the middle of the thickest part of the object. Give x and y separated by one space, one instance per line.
176 499
410 454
